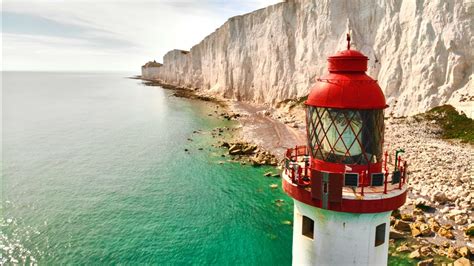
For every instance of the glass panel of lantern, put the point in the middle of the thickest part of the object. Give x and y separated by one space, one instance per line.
345 136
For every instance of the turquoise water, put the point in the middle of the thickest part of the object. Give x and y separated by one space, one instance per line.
94 171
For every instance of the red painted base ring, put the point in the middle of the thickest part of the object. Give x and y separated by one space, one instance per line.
347 205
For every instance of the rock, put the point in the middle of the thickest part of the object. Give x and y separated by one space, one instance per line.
460 219
235 149
425 230
415 231
426 251
455 212
415 254
439 196
407 217
417 212
451 252
403 248
420 219
428 262
434 225
445 244
396 235
256 162
401 226
464 252
445 233
249 149
462 262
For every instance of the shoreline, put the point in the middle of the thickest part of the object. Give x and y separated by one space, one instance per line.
448 215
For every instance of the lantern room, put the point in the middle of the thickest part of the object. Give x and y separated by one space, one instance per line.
345 123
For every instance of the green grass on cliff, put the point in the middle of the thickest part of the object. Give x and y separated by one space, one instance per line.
453 124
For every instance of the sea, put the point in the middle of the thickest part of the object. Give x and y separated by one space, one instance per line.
98 168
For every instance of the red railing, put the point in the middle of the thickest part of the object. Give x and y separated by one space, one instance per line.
298 169
297 165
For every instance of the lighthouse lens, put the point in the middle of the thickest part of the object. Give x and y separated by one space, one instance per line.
345 136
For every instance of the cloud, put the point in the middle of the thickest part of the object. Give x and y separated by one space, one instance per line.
31 24
106 34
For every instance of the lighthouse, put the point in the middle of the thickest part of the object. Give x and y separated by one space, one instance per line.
342 184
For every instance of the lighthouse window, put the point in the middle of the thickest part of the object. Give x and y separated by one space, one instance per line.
345 136
380 234
308 227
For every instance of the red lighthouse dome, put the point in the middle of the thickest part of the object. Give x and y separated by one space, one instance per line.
347 85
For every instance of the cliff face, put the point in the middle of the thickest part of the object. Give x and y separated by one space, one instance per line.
420 52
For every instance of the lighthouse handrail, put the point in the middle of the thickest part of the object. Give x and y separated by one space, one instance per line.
293 159
299 173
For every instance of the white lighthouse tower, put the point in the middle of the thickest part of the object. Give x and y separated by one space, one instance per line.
342 188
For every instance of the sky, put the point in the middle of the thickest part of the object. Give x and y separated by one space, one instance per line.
107 35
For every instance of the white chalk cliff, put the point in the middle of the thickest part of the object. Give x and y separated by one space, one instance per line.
421 52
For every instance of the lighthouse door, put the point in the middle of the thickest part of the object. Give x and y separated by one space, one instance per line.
327 187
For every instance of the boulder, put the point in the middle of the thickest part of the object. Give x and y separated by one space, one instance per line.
434 225
415 229
445 233
428 262
394 234
407 217
415 254
426 251
464 252
462 262
439 196
460 219
249 149
417 212
451 252
425 230
235 149
403 248
401 226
